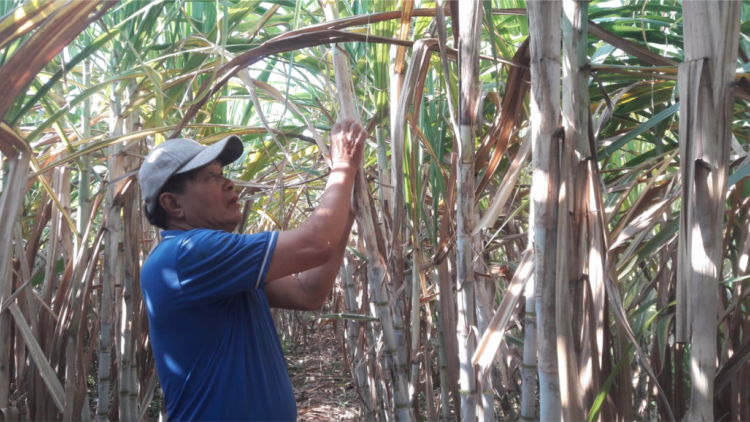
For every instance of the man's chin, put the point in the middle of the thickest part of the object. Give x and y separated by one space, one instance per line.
234 225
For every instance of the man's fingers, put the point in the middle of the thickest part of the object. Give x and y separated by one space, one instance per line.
354 130
346 126
361 137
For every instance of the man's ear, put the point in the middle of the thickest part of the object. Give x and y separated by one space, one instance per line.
171 204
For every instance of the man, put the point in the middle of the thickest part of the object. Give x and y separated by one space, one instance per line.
208 291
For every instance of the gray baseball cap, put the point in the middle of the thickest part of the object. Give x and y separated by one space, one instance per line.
181 155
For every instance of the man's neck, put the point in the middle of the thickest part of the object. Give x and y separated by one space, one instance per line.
180 225
184 226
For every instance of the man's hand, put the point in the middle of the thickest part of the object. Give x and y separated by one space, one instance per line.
315 249
347 143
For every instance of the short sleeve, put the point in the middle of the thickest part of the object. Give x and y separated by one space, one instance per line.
213 265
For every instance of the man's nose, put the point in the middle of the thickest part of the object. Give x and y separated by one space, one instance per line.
229 184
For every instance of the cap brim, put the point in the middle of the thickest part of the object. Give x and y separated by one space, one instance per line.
227 151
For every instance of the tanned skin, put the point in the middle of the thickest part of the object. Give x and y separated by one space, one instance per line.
306 259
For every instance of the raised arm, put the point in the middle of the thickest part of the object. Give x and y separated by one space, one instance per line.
317 240
309 290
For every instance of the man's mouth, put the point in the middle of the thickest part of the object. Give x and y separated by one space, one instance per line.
234 200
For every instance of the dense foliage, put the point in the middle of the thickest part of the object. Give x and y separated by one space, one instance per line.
88 88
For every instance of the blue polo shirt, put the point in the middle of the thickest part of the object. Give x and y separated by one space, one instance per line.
216 348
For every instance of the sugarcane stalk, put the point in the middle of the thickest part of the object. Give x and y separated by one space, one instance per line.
83 194
111 241
429 392
570 399
396 262
468 63
465 318
381 298
119 301
381 294
384 175
10 204
482 296
544 33
127 387
132 226
346 275
571 197
350 300
707 84
529 368
399 329
378 383
85 164
126 343
415 289
444 398
25 304
82 273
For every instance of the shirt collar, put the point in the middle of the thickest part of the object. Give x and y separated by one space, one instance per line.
168 234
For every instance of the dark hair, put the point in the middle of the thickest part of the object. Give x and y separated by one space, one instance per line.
175 184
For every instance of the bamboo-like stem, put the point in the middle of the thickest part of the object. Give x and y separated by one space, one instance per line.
83 196
468 63
570 397
544 31
356 350
483 295
5 327
415 289
398 146
381 295
25 304
571 197
10 203
127 384
399 332
444 398
119 301
132 217
466 280
706 82
415 293
596 263
381 298
385 413
384 175
429 392
85 167
396 263
111 241
82 274
529 370
127 387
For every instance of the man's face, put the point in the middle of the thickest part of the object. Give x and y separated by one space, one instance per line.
210 202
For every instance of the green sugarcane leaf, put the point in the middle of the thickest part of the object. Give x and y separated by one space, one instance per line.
39 278
738 175
648 124
355 252
86 52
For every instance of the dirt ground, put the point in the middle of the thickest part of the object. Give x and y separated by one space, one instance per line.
322 384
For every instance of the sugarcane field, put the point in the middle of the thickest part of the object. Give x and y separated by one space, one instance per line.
374 210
